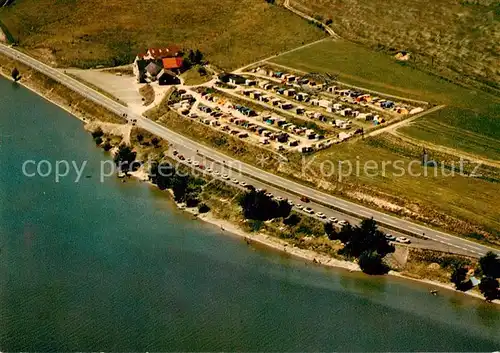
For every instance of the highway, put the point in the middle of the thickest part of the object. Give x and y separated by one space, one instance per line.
453 242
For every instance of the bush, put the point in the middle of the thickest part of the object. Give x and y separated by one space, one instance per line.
98 140
203 208
107 146
291 220
489 288
97 133
490 265
258 206
372 263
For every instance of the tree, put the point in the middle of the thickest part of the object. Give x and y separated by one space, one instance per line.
330 231
140 138
203 208
124 157
198 57
366 237
490 265
98 140
192 199
162 174
258 206
97 133
458 276
179 187
155 141
328 21
372 263
489 288
107 146
292 220
15 74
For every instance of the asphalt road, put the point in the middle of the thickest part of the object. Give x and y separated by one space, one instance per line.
453 242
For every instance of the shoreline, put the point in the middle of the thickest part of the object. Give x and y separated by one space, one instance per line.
260 238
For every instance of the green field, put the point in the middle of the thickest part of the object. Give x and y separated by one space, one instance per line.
459 129
457 38
87 33
363 67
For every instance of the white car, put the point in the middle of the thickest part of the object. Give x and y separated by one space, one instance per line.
403 240
235 181
390 237
342 223
279 198
225 176
243 184
333 220
308 210
320 215
216 173
269 194
290 202
189 160
196 163
209 170
299 206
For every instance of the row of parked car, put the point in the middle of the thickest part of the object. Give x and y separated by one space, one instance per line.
306 209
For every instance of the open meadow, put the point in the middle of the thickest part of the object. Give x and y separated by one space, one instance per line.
460 129
455 37
89 33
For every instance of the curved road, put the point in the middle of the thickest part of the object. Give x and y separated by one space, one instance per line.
269 178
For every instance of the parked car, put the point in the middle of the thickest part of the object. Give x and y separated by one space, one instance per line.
333 220
343 223
175 153
189 160
299 206
403 240
181 157
320 215
235 181
305 199
308 210
209 170
225 176
390 237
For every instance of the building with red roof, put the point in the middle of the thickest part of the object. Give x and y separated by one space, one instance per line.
173 64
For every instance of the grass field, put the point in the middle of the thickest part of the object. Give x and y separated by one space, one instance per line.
363 67
459 37
93 32
459 129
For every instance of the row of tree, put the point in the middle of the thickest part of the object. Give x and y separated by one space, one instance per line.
186 188
192 58
258 206
488 270
364 242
